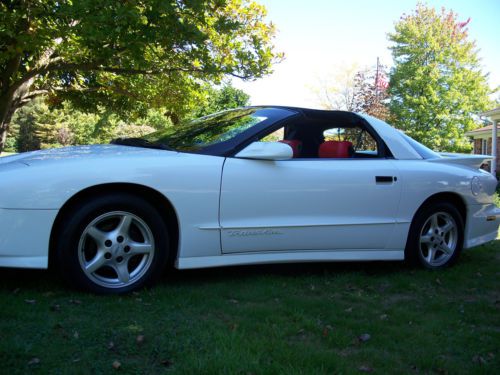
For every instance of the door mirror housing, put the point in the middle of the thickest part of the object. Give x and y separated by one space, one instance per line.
266 151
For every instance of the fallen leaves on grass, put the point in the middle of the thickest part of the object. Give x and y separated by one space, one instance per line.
479 359
326 330
116 365
34 361
364 337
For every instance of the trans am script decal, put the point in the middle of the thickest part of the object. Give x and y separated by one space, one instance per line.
251 233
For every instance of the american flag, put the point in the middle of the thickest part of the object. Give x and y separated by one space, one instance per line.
381 82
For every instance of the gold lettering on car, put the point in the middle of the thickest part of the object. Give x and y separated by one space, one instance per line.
251 233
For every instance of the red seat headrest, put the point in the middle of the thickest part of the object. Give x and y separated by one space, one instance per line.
335 149
295 144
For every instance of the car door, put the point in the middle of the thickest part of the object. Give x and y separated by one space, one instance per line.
308 204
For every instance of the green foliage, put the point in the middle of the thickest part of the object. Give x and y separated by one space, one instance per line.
36 126
10 145
128 56
156 119
217 100
436 86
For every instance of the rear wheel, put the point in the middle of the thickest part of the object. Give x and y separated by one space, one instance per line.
436 236
113 244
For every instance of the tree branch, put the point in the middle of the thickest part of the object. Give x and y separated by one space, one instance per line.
11 68
100 68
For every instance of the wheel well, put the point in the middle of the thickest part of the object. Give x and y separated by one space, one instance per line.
166 210
452 198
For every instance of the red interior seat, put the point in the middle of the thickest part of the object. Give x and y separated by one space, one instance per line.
295 144
335 149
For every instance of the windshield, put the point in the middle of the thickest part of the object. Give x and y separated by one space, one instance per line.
207 131
423 151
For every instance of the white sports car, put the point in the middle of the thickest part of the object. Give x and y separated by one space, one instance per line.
246 186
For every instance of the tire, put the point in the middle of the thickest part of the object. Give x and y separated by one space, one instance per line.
113 244
436 236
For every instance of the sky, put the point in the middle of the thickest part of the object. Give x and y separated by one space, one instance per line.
320 36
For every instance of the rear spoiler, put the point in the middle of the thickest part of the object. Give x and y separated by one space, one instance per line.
469 160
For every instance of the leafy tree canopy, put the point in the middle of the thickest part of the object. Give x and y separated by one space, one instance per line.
436 85
37 126
217 100
126 55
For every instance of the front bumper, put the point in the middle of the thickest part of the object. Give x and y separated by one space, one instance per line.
482 224
24 237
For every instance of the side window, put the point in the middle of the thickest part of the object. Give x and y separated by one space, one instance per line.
363 143
275 136
308 141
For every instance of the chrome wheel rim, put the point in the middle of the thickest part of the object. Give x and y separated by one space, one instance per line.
438 239
116 249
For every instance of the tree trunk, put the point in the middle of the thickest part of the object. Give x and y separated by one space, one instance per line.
173 117
3 138
10 101
4 131
6 112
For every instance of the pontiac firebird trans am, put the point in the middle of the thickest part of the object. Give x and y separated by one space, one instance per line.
245 186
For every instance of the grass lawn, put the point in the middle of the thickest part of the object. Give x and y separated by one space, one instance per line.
282 319
6 153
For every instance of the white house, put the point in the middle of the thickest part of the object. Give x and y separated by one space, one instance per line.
483 138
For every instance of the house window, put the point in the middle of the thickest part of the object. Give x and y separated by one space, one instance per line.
484 146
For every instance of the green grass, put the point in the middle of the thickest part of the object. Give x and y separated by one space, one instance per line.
282 319
6 153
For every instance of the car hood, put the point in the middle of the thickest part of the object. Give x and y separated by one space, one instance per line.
78 153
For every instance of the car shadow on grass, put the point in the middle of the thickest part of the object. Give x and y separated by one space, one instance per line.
12 279
220 274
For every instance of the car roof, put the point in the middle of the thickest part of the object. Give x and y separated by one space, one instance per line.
312 113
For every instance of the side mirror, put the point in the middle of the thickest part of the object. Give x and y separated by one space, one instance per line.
266 151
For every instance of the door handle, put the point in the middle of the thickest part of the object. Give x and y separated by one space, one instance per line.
385 179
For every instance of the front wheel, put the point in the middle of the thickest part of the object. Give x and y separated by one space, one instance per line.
113 244
436 236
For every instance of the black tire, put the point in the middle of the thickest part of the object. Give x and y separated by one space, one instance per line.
130 238
428 245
